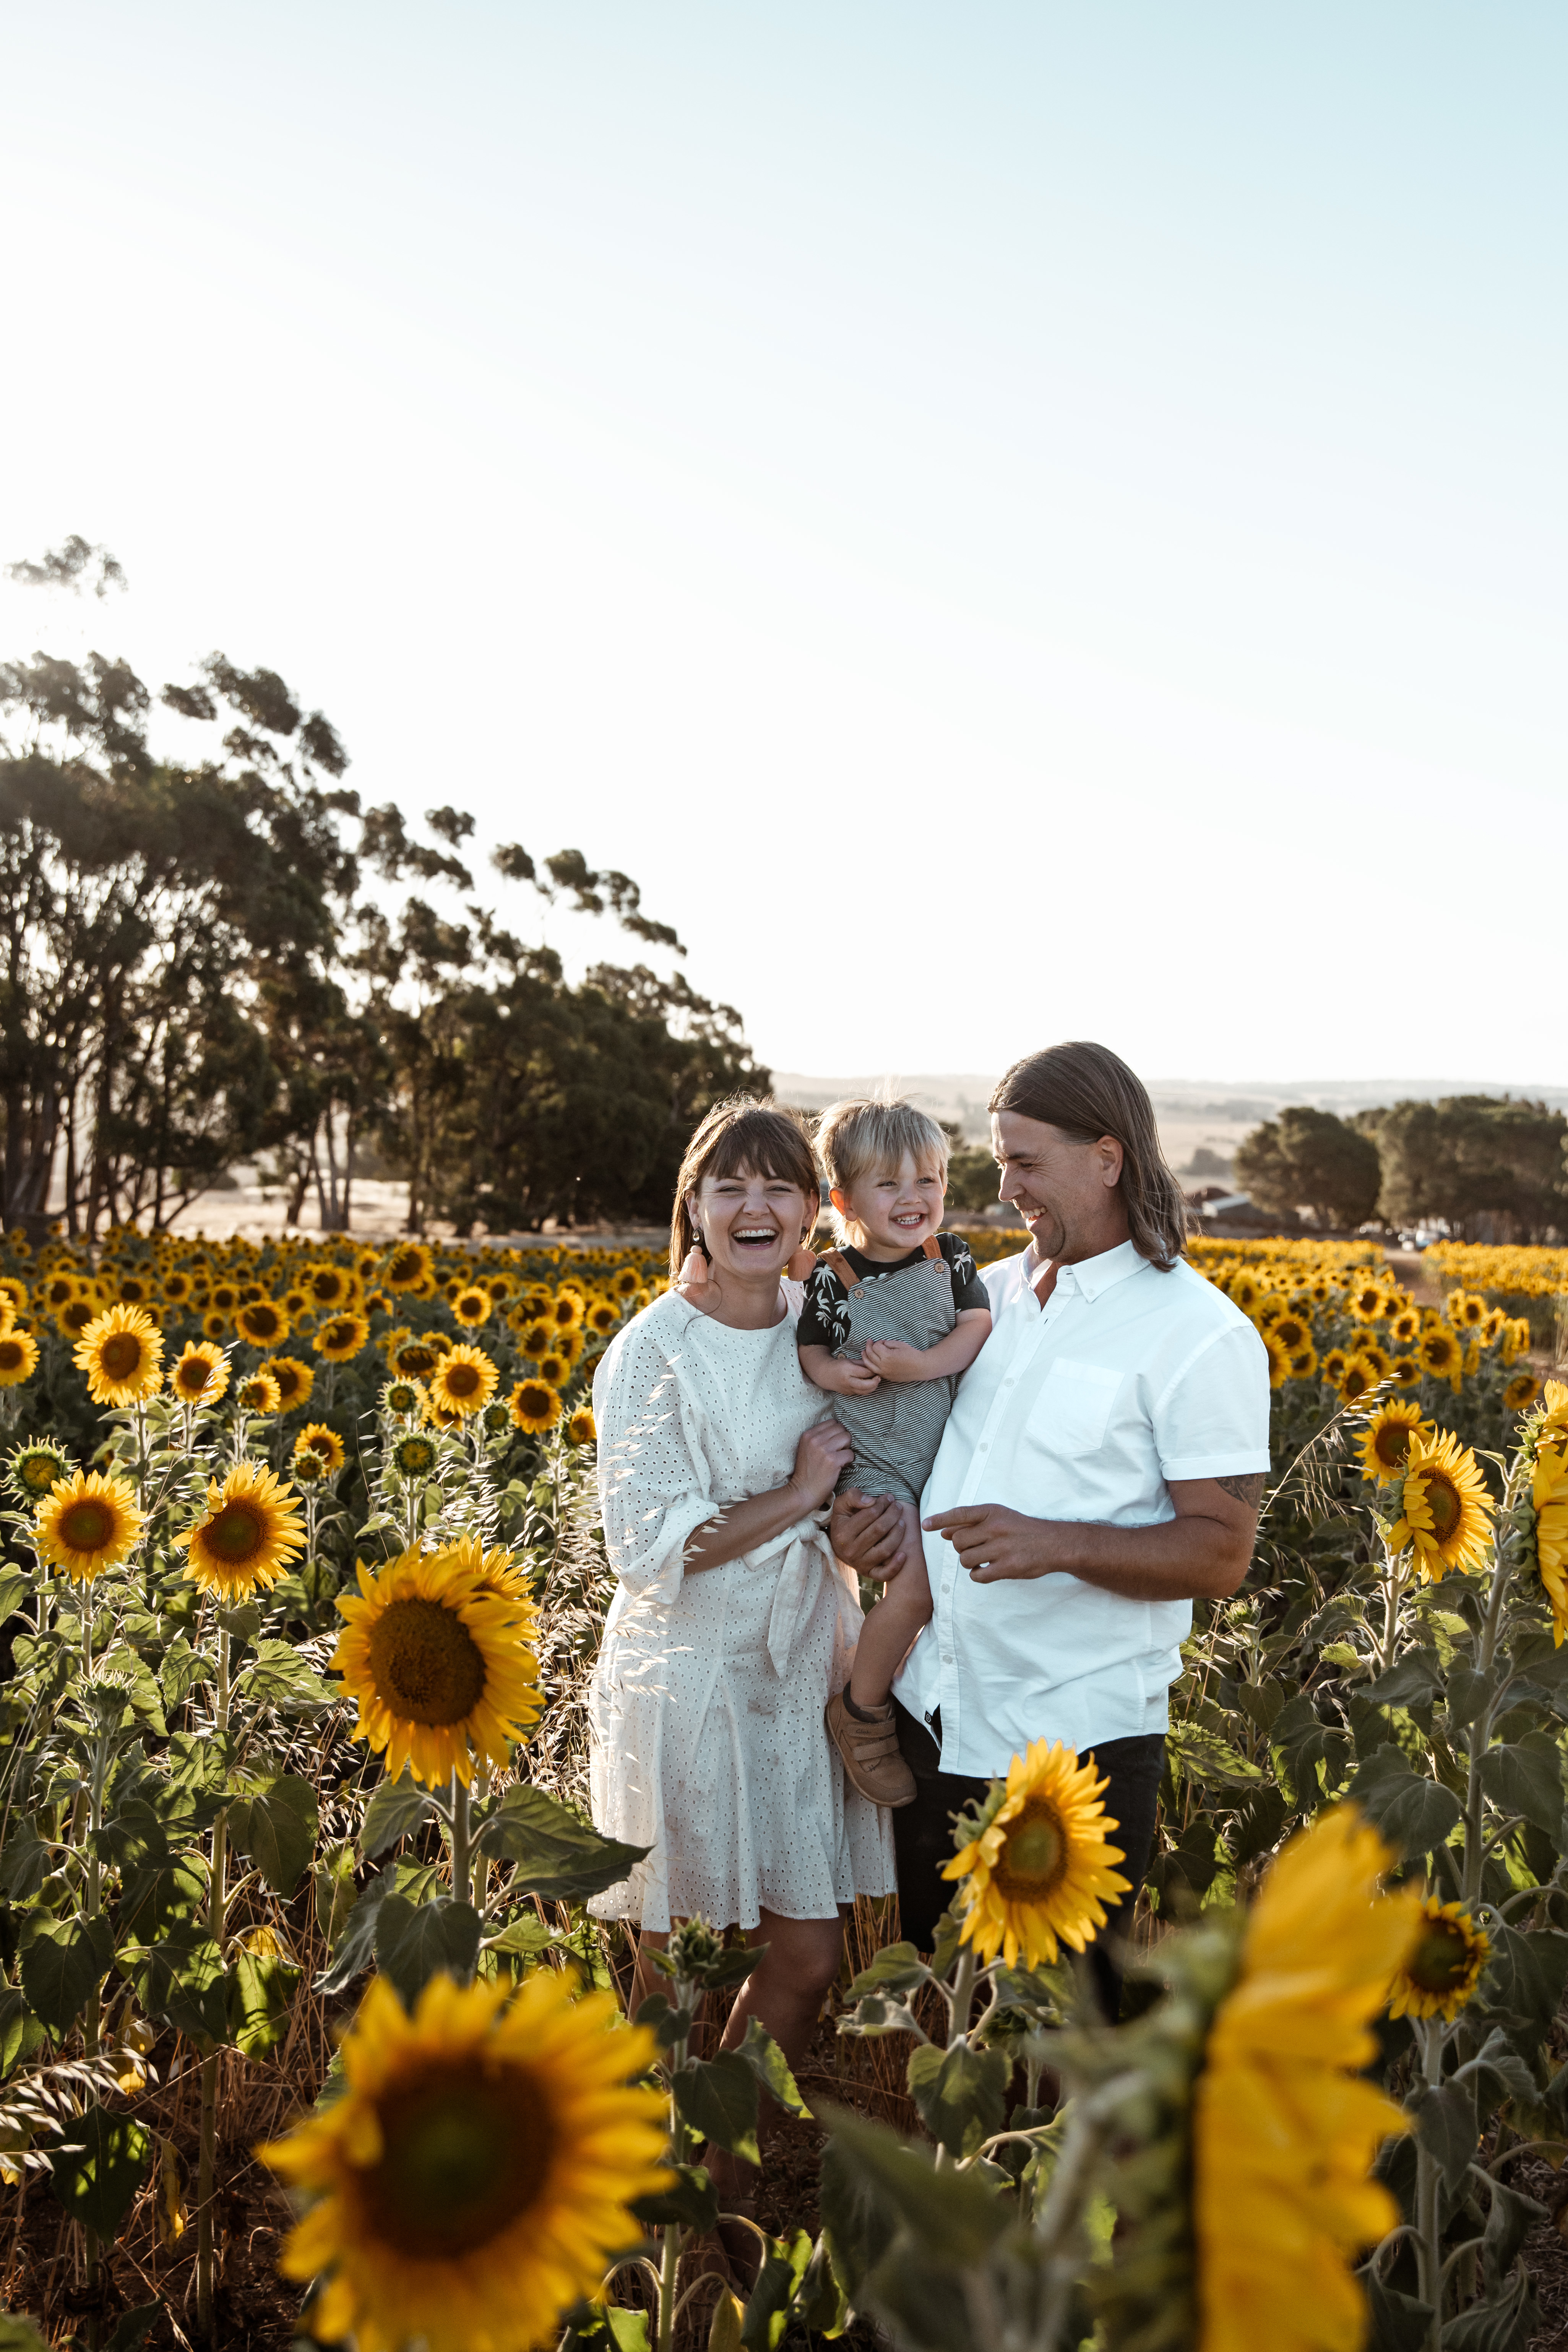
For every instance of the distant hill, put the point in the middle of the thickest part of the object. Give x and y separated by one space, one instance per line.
1195 1114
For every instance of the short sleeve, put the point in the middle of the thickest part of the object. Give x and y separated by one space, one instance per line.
1211 1421
653 1481
824 1320
969 1293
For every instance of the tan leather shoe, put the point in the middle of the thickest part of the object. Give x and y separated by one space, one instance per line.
870 1753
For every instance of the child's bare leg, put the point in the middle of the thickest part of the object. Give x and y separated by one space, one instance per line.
862 1723
888 1632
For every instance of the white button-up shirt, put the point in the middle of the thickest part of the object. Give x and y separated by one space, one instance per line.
1083 1409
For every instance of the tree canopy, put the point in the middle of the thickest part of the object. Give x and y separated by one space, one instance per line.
191 973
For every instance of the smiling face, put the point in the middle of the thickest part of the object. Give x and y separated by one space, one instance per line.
892 1210
1064 1190
751 1223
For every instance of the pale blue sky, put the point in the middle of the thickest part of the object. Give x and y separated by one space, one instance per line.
1011 521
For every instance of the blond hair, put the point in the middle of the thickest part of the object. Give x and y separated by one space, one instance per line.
856 1137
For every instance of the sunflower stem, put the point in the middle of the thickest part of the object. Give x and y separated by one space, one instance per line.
216 1905
669 2251
1482 1728
1431 2034
462 1867
1393 1590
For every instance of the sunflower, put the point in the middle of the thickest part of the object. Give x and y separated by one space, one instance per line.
33 1469
403 1399
199 1375
581 1428
535 1339
1521 1391
436 1664
18 1357
1440 1354
295 1381
1387 1438
318 1439
416 1359
1406 1370
133 1290
263 1322
88 1523
567 1309
1445 1965
1465 1309
603 1318
407 1268
413 1455
1549 1494
554 1368
225 1298
624 1283
1406 1327
1368 1302
251 1531
1332 1367
463 1382
1359 1375
1445 1509
476 2176
177 1288
1303 1362
329 1286
1292 1330
1278 1361
534 1406
473 1306
56 1290
1379 1359
1553 1429
260 1393
12 1287
122 1352
1284 2130
340 1337
1038 1867
570 1343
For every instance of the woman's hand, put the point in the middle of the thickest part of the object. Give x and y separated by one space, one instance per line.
823 1453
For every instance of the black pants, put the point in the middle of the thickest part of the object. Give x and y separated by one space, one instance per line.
922 1836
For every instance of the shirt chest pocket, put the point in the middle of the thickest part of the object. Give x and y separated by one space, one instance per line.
1073 1407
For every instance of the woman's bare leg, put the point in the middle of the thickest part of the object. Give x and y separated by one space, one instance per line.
785 1993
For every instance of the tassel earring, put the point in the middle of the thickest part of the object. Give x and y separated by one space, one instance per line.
803 1261
694 1270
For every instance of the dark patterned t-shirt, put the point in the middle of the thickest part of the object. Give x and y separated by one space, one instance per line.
824 1320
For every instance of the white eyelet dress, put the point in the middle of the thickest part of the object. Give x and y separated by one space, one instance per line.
708 1742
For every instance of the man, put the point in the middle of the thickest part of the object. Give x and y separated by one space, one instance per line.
1101 1469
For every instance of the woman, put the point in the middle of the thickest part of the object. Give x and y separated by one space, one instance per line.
733 1624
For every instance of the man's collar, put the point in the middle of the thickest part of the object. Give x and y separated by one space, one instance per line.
1090 1276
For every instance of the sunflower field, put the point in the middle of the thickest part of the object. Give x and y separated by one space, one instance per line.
305 2030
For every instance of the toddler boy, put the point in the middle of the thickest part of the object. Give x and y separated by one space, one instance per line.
891 1317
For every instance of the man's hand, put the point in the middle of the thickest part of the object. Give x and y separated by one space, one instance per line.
993 1542
895 1360
1201 1554
867 1534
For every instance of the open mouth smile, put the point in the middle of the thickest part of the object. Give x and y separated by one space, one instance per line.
754 1236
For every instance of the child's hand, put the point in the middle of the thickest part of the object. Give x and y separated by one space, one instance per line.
839 1375
895 1360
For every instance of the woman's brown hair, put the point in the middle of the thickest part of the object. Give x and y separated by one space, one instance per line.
1088 1091
740 1138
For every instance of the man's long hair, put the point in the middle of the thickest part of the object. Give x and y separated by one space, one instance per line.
1088 1091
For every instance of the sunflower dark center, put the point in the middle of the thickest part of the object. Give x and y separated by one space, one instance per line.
263 1321
1392 1442
416 1360
1444 1505
122 1355
427 1664
87 1525
192 1375
533 1398
463 1379
235 1533
1034 1855
37 1471
465 2154
1440 1958
10 1355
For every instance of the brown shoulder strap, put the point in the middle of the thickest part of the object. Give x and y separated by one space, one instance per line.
842 1268
931 1247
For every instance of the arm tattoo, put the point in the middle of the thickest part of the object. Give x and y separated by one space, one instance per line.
1248 1490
